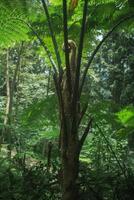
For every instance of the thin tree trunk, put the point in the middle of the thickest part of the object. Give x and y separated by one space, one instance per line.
7 119
15 80
10 85
48 83
49 155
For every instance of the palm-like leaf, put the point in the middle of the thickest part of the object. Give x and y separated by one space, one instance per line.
12 27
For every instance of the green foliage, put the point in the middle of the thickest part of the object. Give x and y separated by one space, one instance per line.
12 27
102 15
126 116
106 166
30 183
41 112
15 4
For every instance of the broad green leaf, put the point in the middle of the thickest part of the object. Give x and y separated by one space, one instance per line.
126 116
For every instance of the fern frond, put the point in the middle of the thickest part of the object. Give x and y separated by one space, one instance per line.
11 27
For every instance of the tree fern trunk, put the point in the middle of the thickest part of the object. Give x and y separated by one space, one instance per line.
70 164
